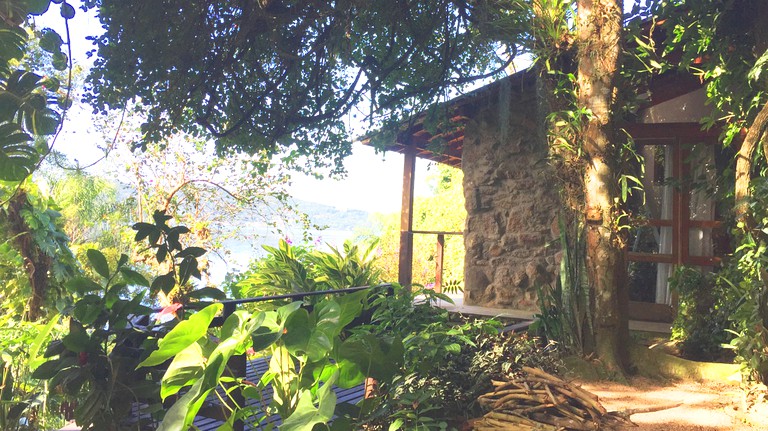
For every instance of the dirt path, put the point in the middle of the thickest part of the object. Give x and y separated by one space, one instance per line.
705 406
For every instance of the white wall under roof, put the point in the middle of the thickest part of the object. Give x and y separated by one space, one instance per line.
688 108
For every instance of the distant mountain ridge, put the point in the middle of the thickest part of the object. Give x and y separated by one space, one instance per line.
334 218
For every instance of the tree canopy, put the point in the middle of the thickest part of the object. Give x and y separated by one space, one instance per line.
281 76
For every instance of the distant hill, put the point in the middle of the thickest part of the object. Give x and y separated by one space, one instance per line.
334 218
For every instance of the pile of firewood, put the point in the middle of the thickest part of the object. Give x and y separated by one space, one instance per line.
540 401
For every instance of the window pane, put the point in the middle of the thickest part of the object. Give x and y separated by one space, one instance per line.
703 184
658 181
651 239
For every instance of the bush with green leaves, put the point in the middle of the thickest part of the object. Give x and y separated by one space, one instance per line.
24 402
447 363
747 280
742 286
564 309
308 356
109 332
703 312
95 361
296 269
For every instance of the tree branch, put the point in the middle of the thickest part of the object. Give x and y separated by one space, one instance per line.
213 183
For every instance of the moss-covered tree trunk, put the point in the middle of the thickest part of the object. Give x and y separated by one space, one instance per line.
599 44
756 132
36 263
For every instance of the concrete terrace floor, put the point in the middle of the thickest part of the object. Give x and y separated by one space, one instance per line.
475 310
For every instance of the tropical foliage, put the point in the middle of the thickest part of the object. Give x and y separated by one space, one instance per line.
31 104
289 101
289 268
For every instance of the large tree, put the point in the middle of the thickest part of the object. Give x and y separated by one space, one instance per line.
599 27
281 77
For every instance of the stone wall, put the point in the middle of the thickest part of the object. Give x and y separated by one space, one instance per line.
511 199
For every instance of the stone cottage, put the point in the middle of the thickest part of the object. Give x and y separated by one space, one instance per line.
511 195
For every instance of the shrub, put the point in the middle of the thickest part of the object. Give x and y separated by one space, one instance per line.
296 269
702 313
446 363
747 281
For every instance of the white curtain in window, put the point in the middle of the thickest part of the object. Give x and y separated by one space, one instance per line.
658 202
664 270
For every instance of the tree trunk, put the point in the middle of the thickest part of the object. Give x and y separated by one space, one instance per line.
36 262
599 42
755 133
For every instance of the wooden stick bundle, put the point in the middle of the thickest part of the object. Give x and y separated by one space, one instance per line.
538 401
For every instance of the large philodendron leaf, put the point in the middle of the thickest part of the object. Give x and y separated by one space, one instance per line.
12 43
187 366
182 413
17 156
182 336
307 415
23 100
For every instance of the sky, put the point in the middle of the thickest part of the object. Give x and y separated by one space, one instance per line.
373 182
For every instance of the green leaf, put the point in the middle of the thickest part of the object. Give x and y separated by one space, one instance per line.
181 415
192 251
143 230
284 312
17 157
351 306
12 42
55 347
164 282
329 318
187 269
320 344
47 370
42 122
134 278
623 189
77 340
186 366
350 375
37 7
67 11
182 335
82 285
240 324
757 69
208 292
264 337
98 262
88 309
50 41
306 415
397 424
22 83
160 217
45 331
161 254
297 332
93 403
377 357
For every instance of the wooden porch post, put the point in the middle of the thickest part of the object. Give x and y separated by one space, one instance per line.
405 268
439 254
